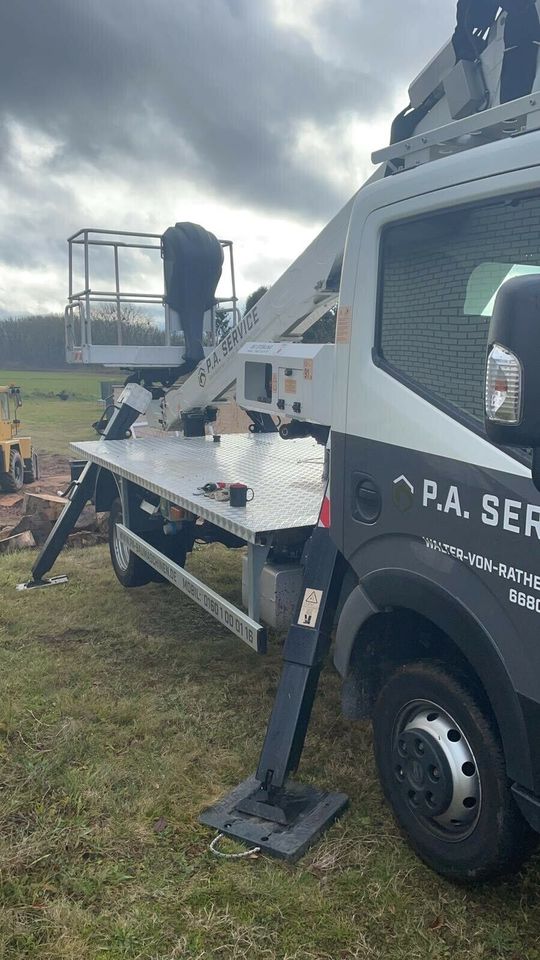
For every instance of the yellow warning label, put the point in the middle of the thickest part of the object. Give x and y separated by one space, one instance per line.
310 608
289 385
308 369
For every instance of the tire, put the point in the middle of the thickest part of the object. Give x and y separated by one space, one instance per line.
442 769
31 471
13 480
130 570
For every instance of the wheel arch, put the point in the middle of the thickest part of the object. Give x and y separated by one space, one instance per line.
106 490
370 637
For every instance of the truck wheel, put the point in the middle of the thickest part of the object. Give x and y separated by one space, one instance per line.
442 769
31 469
130 570
13 480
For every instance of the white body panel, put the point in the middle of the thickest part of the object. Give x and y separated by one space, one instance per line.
300 383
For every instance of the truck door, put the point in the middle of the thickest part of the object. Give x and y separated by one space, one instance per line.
424 493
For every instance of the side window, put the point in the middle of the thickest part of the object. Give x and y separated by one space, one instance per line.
440 276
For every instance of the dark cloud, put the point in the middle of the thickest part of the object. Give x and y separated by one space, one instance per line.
211 88
209 91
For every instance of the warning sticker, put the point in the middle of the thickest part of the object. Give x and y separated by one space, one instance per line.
308 369
290 385
344 325
310 608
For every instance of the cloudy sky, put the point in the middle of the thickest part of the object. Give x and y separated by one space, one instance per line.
255 118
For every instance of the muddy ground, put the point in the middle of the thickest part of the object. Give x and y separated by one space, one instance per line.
54 478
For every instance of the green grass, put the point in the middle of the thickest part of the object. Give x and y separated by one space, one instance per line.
123 714
53 423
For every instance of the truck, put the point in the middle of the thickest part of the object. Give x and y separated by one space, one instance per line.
395 471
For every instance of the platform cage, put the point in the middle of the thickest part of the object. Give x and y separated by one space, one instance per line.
110 324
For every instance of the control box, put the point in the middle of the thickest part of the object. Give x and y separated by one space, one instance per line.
292 380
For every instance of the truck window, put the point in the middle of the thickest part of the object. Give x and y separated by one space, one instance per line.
439 279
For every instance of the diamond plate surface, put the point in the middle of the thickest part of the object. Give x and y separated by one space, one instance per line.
286 476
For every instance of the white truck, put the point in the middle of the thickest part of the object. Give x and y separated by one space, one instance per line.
395 472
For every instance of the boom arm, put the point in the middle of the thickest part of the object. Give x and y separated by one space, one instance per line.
303 294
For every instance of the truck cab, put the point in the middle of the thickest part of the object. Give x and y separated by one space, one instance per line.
439 522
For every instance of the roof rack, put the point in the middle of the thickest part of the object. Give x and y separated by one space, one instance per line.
497 123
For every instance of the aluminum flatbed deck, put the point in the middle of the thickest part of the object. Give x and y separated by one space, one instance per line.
286 476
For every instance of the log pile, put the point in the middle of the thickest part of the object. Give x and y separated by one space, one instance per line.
40 513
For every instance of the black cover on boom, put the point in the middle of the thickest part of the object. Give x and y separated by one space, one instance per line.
521 38
474 18
193 263
520 63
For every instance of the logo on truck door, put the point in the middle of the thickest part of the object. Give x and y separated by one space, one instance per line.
402 493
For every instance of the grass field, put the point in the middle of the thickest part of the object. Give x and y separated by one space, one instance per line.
51 422
124 713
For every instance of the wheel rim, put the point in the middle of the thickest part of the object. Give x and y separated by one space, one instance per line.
121 551
436 770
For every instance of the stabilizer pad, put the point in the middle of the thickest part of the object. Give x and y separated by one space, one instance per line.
40 584
290 842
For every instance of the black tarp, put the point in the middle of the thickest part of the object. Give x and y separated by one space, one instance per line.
521 36
193 260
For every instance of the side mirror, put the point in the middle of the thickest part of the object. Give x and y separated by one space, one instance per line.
512 393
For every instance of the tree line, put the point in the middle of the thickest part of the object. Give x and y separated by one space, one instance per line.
37 342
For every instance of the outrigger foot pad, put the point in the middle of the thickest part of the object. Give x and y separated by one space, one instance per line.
38 584
283 826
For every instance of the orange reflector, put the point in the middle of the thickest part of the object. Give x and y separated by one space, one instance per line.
176 514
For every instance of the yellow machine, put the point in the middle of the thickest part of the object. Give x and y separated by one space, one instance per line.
18 462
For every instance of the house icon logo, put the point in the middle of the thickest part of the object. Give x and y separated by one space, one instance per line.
402 493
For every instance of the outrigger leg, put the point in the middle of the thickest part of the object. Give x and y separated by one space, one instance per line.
267 810
133 401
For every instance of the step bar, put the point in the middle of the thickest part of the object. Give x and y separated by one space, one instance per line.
238 622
